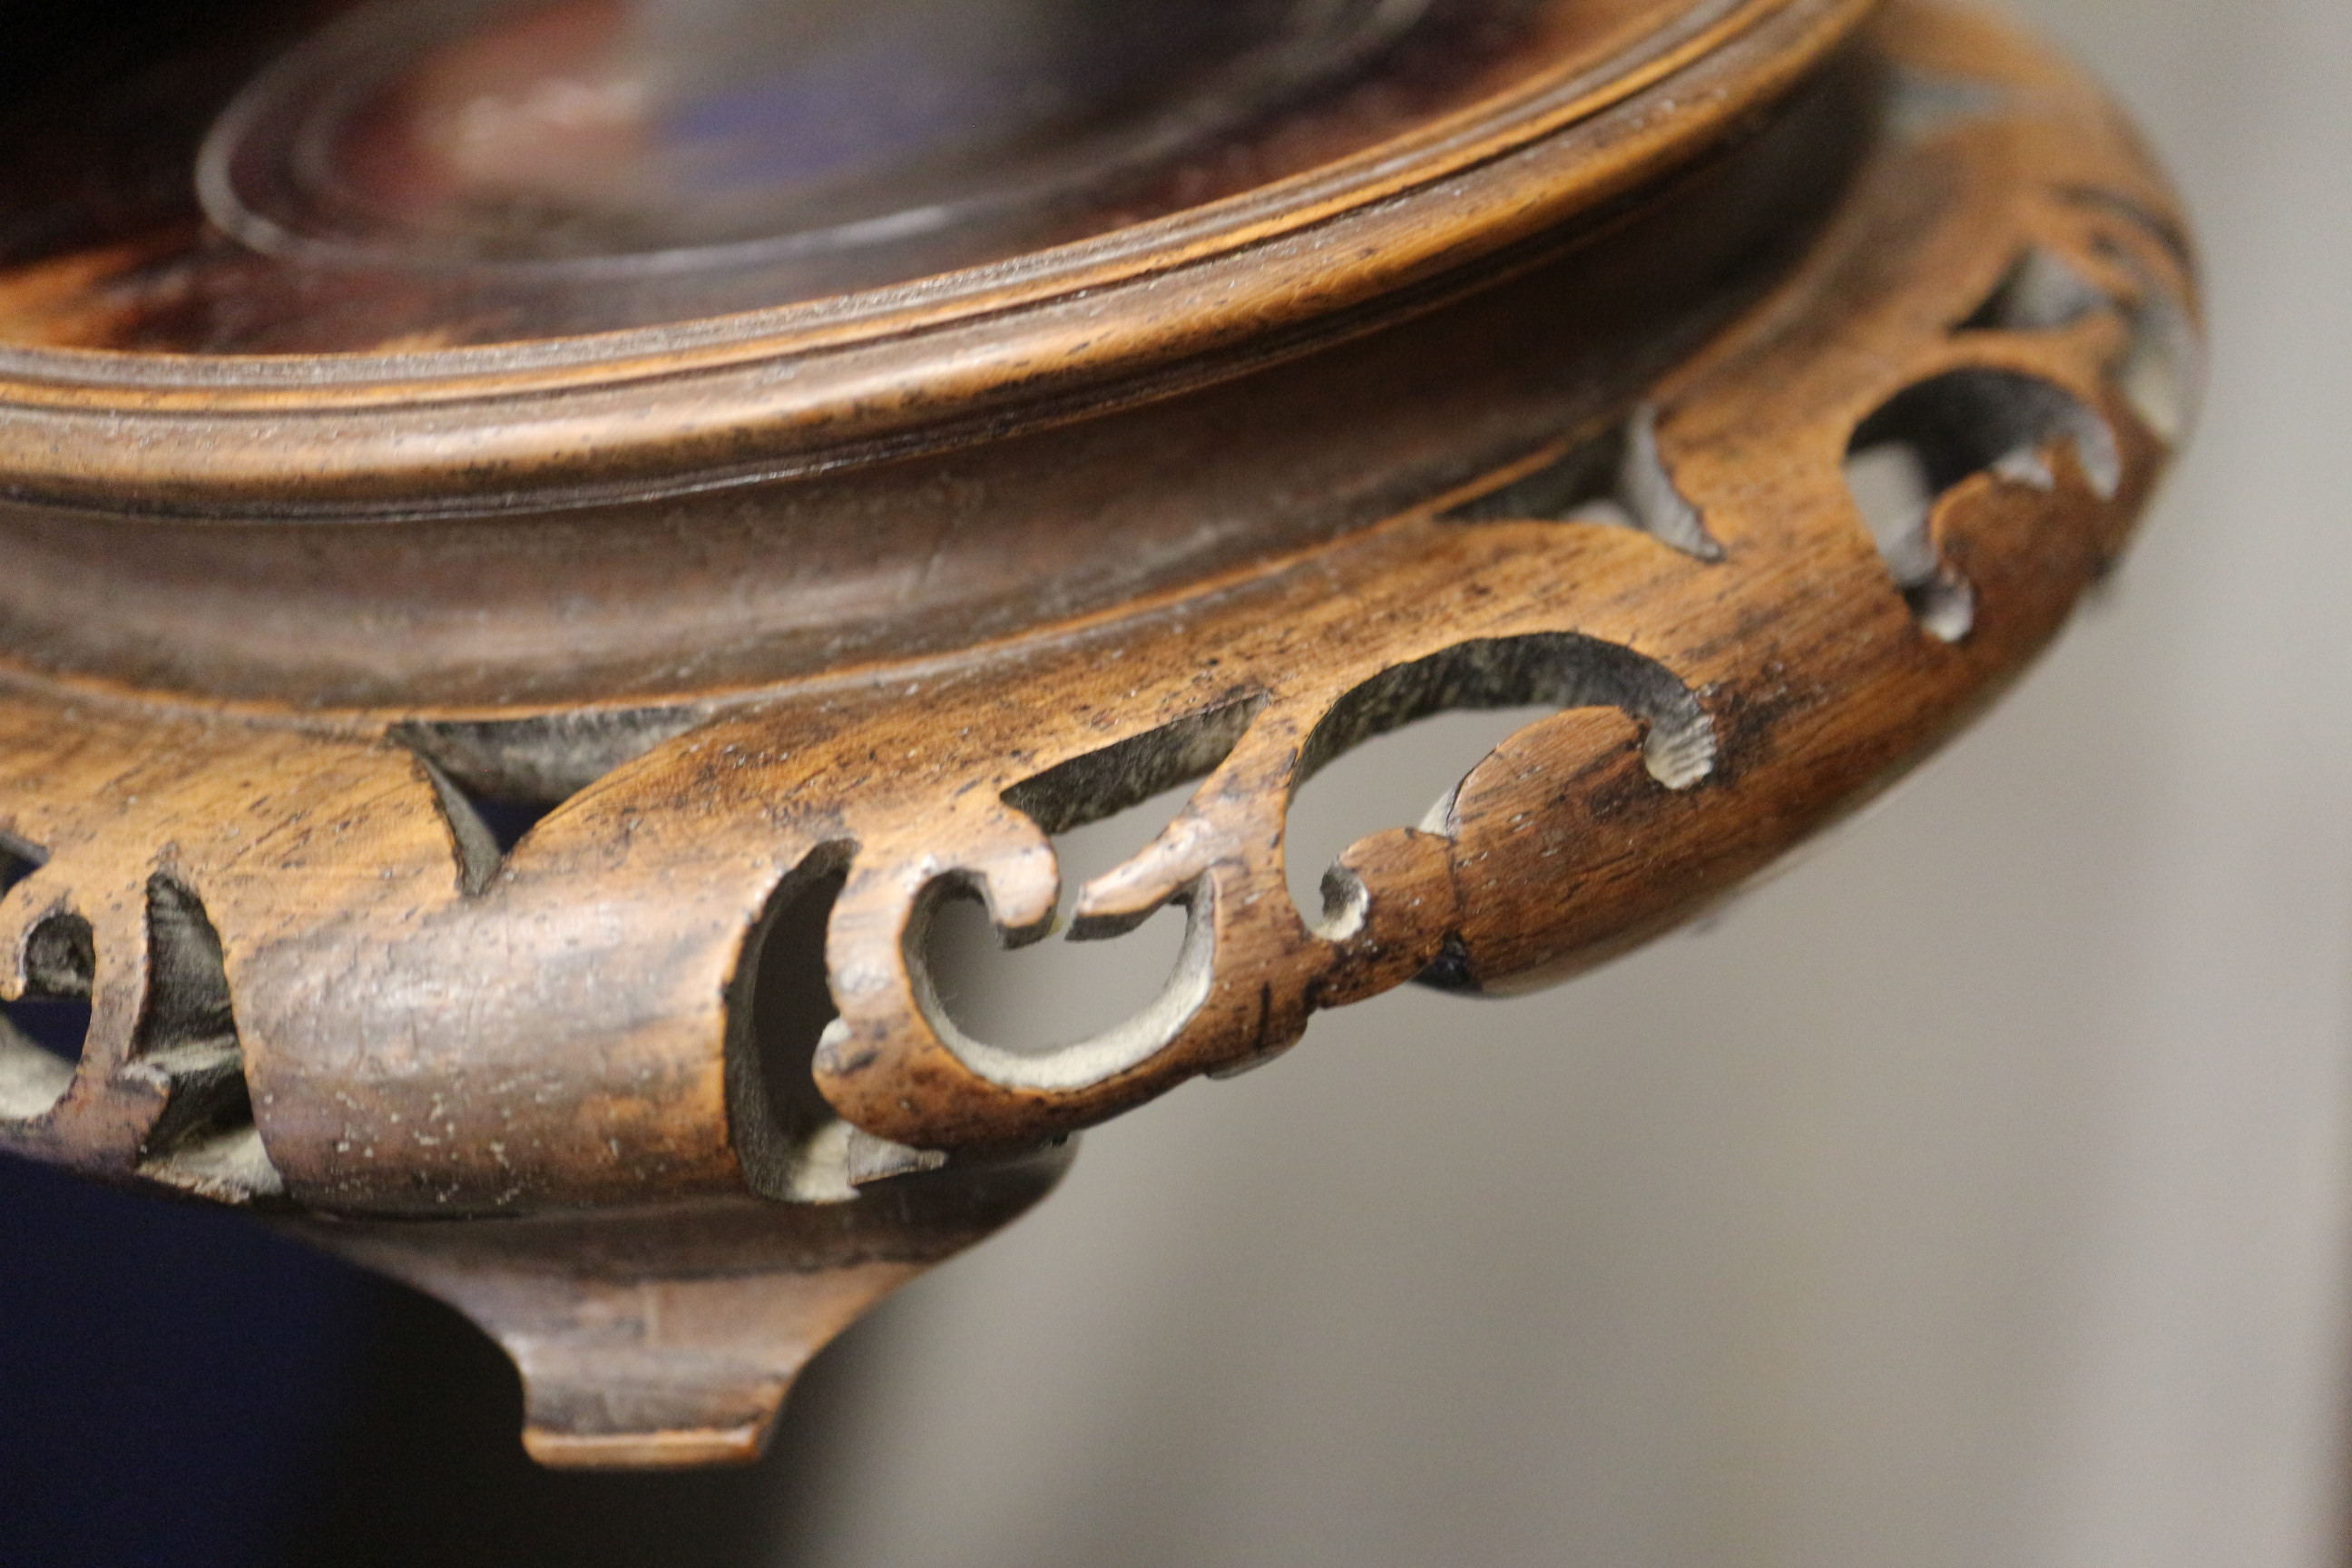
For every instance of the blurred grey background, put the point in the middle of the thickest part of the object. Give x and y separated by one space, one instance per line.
1974 1194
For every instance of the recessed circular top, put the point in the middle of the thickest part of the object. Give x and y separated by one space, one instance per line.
581 137
407 175
614 245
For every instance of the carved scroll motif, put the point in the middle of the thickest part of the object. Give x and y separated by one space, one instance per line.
320 966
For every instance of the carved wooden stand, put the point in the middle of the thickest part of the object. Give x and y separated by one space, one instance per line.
1575 379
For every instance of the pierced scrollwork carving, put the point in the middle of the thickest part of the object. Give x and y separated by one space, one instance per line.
38 1054
1724 652
2016 425
1930 438
1742 506
1555 669
1613 477
160 1093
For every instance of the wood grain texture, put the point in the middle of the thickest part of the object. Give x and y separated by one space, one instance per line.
1601 464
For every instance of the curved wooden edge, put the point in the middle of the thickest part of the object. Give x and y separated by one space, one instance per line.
772 397
426 1026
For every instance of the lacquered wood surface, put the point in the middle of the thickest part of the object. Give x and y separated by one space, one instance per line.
434 770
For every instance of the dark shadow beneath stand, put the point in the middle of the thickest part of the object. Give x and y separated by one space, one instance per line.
429 1469
180 1388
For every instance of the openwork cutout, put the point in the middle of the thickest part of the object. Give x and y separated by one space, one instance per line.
1099 1056
497 779
1557 670
2041 292
1139 778
41 1041
187 1038
174 1081
547 758
1409 776
1616 479
2162 376
483 828
1929 438
1101 784
1562 845
606 1038
45 1026
2161 372
1043 996
792 1144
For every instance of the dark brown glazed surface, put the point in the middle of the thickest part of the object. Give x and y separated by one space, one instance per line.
493 801
469 583
671 597
1682 569
957 359
104 244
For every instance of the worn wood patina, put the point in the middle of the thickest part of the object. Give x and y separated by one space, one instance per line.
487 737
